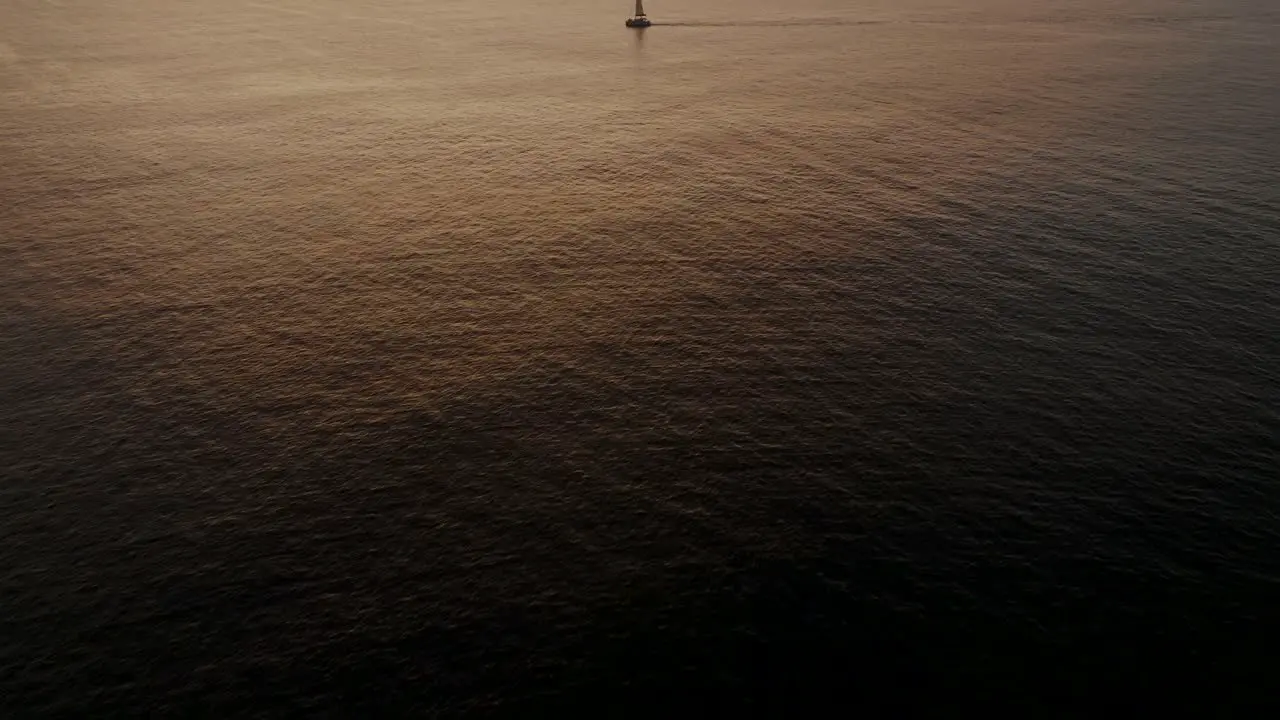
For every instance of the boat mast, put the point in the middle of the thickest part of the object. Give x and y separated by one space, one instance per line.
639 8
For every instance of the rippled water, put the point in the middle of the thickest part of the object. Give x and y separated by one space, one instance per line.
388 356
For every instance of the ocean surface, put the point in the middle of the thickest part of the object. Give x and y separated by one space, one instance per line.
445 357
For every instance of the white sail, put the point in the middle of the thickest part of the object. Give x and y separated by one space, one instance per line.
639 8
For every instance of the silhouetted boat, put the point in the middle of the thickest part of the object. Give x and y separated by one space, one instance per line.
639 21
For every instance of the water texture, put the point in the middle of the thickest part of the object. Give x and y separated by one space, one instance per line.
377 356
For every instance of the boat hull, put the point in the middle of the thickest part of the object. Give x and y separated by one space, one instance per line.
634 23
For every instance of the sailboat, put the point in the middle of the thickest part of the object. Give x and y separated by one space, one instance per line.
639 21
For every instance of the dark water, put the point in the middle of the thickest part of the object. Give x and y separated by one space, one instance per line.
377 356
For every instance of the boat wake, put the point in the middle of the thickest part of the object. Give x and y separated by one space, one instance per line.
774 23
